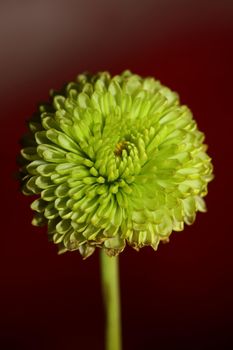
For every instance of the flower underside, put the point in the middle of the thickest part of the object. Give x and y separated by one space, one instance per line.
114 160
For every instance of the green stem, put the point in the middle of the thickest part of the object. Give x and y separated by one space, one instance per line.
111 294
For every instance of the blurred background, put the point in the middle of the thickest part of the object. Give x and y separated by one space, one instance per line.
180 297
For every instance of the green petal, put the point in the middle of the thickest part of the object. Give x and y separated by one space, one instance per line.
30 153
39 205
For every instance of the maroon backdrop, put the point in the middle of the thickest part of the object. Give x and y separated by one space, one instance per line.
179 297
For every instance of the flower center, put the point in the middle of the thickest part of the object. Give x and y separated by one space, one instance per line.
120 147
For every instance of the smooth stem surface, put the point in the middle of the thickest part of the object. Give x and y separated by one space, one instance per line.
111 294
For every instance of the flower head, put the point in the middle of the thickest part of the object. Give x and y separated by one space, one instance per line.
114 160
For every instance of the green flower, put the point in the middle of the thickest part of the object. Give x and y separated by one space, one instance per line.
114 160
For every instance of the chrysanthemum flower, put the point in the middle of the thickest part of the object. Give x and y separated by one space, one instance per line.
114 160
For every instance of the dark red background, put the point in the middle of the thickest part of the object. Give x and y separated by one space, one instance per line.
179 297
